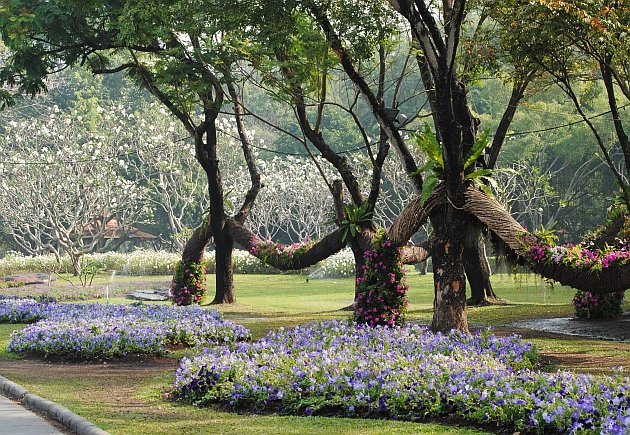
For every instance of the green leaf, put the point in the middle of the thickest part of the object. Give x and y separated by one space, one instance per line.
485 189
429 146
477 149
428 187
479 173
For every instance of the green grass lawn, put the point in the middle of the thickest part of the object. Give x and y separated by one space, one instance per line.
280 300
133 404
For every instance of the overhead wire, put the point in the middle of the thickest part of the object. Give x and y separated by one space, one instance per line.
287 153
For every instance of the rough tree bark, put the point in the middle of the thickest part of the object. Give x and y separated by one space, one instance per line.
498 220
476 265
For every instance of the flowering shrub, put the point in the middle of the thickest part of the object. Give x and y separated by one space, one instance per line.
591 306
189 284
138 262
381 291
105 331
403 373
265 250
579 256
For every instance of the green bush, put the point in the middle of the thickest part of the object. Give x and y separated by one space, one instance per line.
588 305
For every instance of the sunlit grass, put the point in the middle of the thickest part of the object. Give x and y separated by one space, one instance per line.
134 404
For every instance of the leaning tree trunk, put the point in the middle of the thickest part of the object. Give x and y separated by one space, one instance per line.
196 244
477 267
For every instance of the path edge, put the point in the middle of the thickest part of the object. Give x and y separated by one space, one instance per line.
47 408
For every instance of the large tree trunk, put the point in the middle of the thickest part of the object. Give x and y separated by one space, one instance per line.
477 267
224 246
449 279
457 131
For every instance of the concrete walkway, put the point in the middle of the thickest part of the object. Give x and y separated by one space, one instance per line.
17 420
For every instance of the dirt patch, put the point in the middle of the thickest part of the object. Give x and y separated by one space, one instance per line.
29 278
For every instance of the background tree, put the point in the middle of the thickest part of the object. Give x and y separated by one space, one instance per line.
64 178
169 53
166 164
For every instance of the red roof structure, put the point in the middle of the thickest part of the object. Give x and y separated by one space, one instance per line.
113 230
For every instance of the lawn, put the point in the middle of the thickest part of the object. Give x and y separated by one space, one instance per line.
127 397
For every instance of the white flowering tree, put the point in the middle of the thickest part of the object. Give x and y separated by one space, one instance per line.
527 190
294 203
64 177
166 164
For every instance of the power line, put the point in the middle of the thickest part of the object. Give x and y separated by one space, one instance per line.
569 124
286 153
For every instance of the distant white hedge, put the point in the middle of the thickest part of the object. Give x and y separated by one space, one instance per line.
145 262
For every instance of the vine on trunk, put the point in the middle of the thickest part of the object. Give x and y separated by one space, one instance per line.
188 286
381 291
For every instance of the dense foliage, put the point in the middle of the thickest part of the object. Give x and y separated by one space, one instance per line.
603 306
189 283
106 331
405 373
381 297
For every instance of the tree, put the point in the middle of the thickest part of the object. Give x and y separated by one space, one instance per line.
166 163
575 42
181 59
65 177
300 69
456 130
527 192
283 210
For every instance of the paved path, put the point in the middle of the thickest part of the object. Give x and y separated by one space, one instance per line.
17 420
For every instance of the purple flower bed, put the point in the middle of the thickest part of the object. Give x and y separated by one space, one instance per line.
103 330
14 310
345 369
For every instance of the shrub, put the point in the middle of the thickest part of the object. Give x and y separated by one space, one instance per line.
588 305
145 262
340 265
